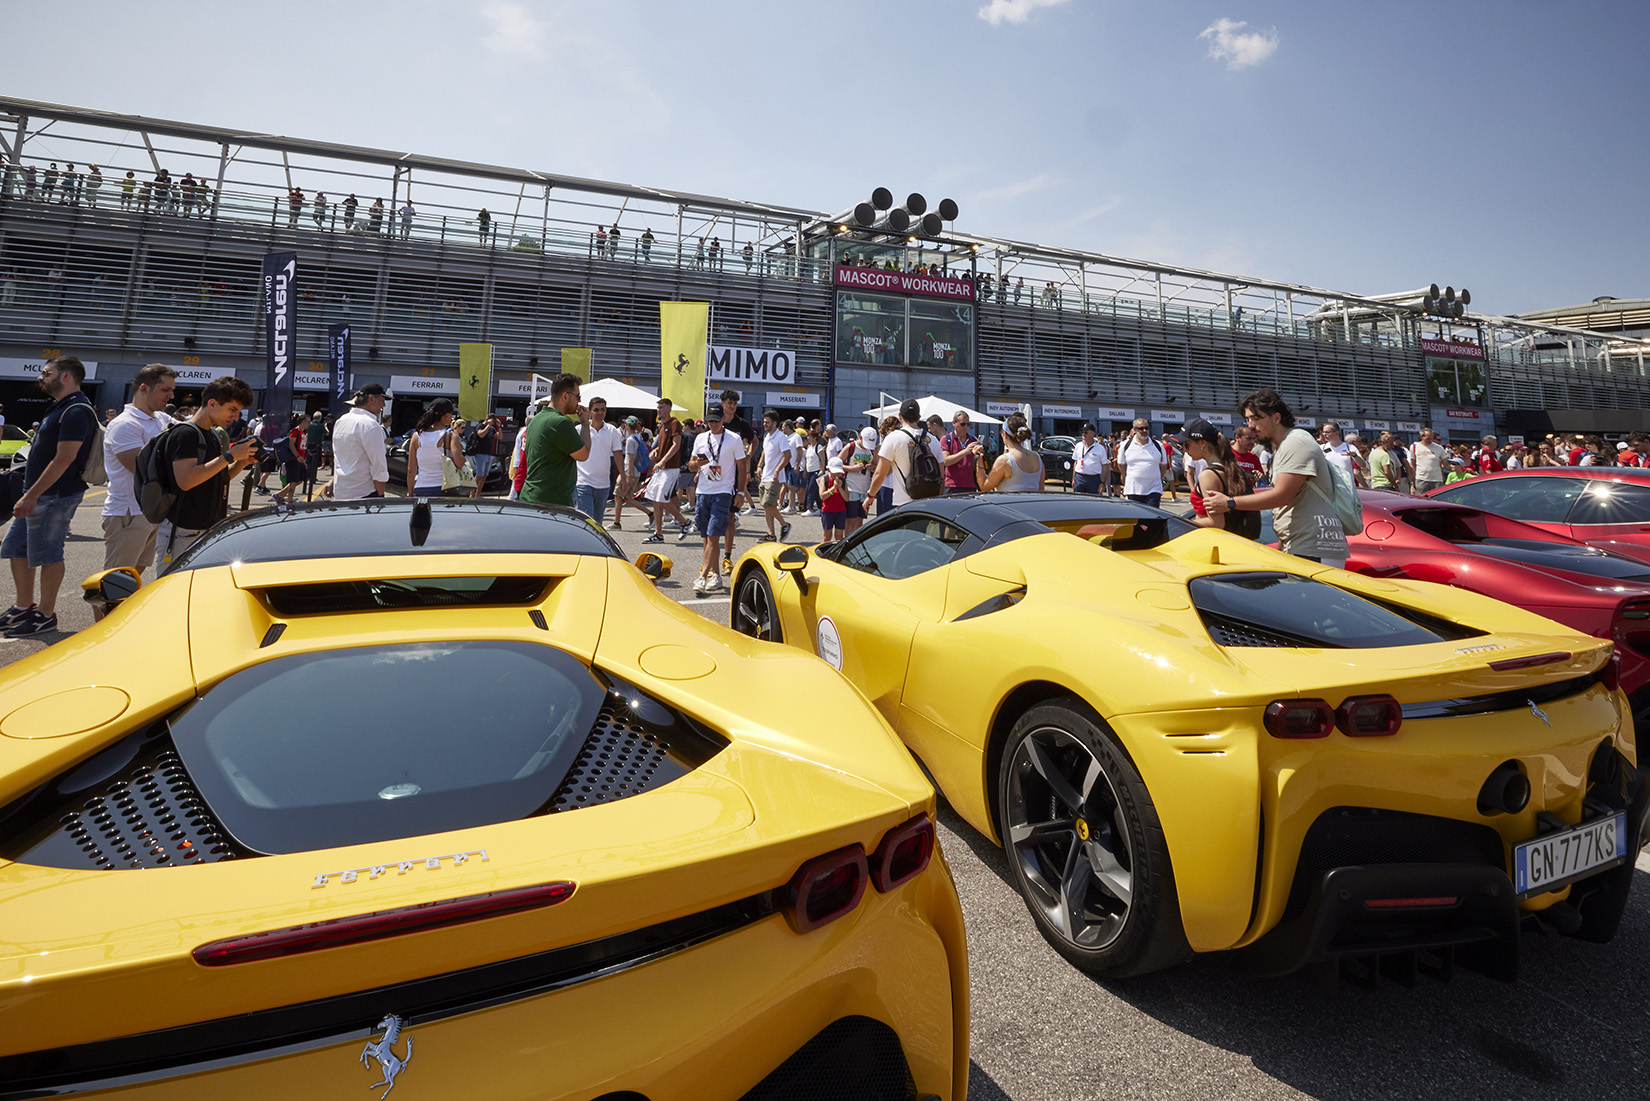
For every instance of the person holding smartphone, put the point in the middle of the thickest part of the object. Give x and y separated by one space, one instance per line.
718 466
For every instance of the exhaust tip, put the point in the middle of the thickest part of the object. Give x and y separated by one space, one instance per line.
1507 791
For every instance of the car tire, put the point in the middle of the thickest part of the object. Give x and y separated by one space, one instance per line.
754 610
1086 849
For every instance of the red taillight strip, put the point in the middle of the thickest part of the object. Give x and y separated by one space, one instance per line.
358 928
1529 663
903 854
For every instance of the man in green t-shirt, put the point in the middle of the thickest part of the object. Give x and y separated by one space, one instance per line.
557 439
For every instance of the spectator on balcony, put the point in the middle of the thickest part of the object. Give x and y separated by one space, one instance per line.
128 189
484 225
187 190
49 186
29 182
407 213
375 217
749 254
294 207
203 198
71 186
318 210
148 194
94 184
613 243
716 253
698 253
349 211
647 244
601 242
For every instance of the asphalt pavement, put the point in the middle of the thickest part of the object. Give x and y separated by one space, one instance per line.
1576 1024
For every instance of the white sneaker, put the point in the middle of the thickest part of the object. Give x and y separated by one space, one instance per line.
699 585
787 511
713 583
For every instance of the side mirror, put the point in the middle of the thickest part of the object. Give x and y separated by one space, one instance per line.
654 567
793 560
111 586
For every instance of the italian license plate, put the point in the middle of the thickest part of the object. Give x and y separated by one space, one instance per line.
1556 859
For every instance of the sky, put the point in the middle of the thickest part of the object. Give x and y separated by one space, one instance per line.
1366 148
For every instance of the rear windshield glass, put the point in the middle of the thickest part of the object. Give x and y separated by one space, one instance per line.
1560 556
1289 609
376 742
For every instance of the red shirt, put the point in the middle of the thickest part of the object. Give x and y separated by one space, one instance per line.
958 475
1250 462
1486 462
1631 458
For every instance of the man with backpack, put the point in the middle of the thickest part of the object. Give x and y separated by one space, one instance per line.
194 469
914 455
53 489
1304 488
270 431
128 535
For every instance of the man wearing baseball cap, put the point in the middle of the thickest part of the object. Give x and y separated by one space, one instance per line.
359 466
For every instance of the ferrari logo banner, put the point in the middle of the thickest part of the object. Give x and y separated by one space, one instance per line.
684 332
576 361
475 380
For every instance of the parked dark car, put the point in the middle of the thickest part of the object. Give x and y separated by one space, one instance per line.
397 460
1055 451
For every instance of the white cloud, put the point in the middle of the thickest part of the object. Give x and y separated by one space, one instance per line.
1013 11
1040 182
513 30
1240 49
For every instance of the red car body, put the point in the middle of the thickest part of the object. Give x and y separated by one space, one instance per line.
1603 506
1428 539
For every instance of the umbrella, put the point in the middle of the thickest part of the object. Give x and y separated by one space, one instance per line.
931 405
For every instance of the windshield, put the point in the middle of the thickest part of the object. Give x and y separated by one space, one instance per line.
1279 609
364 744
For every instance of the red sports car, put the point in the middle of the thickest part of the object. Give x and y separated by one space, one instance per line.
1427 539
1604 506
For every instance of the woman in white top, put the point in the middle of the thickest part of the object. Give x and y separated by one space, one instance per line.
1018 469
859 456
424 449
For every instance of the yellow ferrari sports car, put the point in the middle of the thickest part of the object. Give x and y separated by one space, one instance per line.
442 798
1189 742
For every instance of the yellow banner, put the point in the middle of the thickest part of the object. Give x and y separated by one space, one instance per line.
684 331
576 361
475 381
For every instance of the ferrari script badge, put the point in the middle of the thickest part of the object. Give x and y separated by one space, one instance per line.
390 1064
1538 713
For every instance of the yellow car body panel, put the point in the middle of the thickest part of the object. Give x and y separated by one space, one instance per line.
1117 631
83 948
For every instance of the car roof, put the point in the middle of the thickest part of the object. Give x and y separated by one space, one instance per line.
996 517
384 526
1609 473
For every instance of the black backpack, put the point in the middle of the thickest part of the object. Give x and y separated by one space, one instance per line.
1244 522
926 479
152 482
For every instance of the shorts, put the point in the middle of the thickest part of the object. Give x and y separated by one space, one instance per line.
40 537
483 465
1086 483
833 521
713 514
661 487
769 497
797 478
170 542
854 510
294 472
128 541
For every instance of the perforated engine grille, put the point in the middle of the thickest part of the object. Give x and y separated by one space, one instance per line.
621 757
1232 632
149 816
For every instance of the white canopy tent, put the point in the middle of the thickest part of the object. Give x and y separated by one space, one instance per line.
931 405
618 395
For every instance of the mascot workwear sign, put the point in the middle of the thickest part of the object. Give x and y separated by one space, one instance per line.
475 381
280 329
684 333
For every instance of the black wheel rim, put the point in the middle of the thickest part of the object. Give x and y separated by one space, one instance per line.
754 608
1067 836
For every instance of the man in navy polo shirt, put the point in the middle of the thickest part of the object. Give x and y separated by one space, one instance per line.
53 489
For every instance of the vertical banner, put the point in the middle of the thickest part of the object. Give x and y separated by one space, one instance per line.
684 334
338 370
576 361
280 330
475 380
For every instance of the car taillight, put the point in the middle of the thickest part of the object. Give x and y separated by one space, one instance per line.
1300 718
1369 716
337 932
826 888
1430 903
1529 663
903 854
1610 675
